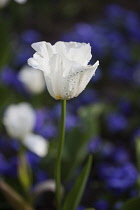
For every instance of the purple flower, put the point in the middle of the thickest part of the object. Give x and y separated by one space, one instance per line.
10 78
23 54
116 122
47 131
118 178
40 119
71 121
33 159
119 155
125 107
94 144
30 36
41 176
119 71
3 165
115 13
81 208
101 205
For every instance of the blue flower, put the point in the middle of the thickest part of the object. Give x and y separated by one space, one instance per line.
119 71
116 122
41 176
131 23
118 178
71 121
125 107
115 13
47 131
101 205
10 78
3 165
8 75
119 155
94 144
23 54
30 36
33 159
81 208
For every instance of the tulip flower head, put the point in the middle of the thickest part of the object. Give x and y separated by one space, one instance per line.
32 79
65 67
19 120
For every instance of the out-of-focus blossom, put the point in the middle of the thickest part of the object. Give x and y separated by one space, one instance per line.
47 131
71 121
19 120
30 36
121 71
10 78
116 122
81 208
94 145
125 107
23 54
119 155
118 178
37 144
65 66
21 1
48 185
101 205
32 79
3 3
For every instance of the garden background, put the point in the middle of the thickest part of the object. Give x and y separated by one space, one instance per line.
104 120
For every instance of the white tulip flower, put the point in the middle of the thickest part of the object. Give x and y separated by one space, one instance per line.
65 67
37 144
19 120
32 79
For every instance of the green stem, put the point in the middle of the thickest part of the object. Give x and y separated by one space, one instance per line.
59 153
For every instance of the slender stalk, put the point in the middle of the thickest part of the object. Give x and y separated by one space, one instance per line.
59 154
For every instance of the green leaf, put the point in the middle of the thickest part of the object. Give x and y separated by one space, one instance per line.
24 171
14 199
74 196
131 204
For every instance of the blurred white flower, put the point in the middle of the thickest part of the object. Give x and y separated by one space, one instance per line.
48 185
37 144
65 67
3 3
21 1
32 79
19 120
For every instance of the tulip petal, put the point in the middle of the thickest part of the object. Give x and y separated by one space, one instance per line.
74 51
36 144
86 76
